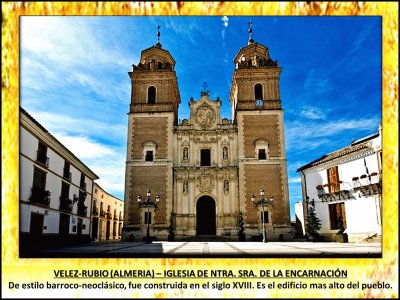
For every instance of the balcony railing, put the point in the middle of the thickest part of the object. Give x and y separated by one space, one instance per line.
368 184
365 185
42 158
333 191
66 204
115 217
102 213
120 217
95 211
40 195
109 215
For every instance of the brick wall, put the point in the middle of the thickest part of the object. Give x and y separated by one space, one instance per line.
142 179
255 127
268 177
145 129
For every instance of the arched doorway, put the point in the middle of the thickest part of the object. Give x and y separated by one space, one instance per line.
205 216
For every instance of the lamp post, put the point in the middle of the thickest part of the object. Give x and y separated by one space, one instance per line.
262 202
148 203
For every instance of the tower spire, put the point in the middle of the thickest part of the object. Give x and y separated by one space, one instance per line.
158 37
250 30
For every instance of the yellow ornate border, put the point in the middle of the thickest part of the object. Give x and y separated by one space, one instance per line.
364 270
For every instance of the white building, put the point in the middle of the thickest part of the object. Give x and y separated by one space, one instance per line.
107 215
345 188
55 190
299 213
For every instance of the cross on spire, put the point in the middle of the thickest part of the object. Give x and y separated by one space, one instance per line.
250 31
204 91
158 36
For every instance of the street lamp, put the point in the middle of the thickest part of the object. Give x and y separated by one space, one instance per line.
148 203
262 202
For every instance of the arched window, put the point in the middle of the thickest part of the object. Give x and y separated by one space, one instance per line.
151 95
249 63
159 65
258 91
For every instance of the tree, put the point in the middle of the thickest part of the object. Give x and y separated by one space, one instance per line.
171 228
242 236
313 223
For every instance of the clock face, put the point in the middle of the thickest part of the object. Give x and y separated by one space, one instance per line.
259 103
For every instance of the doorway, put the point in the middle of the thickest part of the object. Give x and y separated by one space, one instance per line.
205 216
36 227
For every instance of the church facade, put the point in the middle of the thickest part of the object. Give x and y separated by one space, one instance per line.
206 169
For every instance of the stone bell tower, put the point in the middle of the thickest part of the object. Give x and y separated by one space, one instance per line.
152 116
257 112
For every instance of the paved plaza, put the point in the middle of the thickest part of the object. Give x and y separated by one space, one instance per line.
216 249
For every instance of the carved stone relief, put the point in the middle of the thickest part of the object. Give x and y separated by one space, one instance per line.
205 182
205 116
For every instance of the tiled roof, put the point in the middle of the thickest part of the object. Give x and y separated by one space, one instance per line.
354 147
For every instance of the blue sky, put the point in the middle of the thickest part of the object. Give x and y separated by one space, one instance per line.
74 79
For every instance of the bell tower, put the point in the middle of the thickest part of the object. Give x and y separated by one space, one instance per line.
152 116
257 112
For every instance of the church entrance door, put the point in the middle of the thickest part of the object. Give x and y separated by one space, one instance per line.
205 216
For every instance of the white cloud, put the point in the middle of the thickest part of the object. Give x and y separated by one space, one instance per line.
225 23
316 84
298 130
295 179
105 161
48 37
64 125
225 20
313 112
83 147
302 136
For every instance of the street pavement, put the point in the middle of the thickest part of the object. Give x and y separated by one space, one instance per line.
118 249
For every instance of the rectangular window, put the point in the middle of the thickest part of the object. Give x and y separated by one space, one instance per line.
149 156
147 217
265 217
64 190
39 179
205 157
67 173
42 154
333 179
262 154
82 182
337 215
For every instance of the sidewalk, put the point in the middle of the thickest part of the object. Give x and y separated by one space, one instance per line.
216 249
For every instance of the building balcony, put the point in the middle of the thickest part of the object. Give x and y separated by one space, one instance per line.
82 210
102 213
40 196
333 191
115 217
109 215
66 204
121 218
42 159
95 211
368 185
